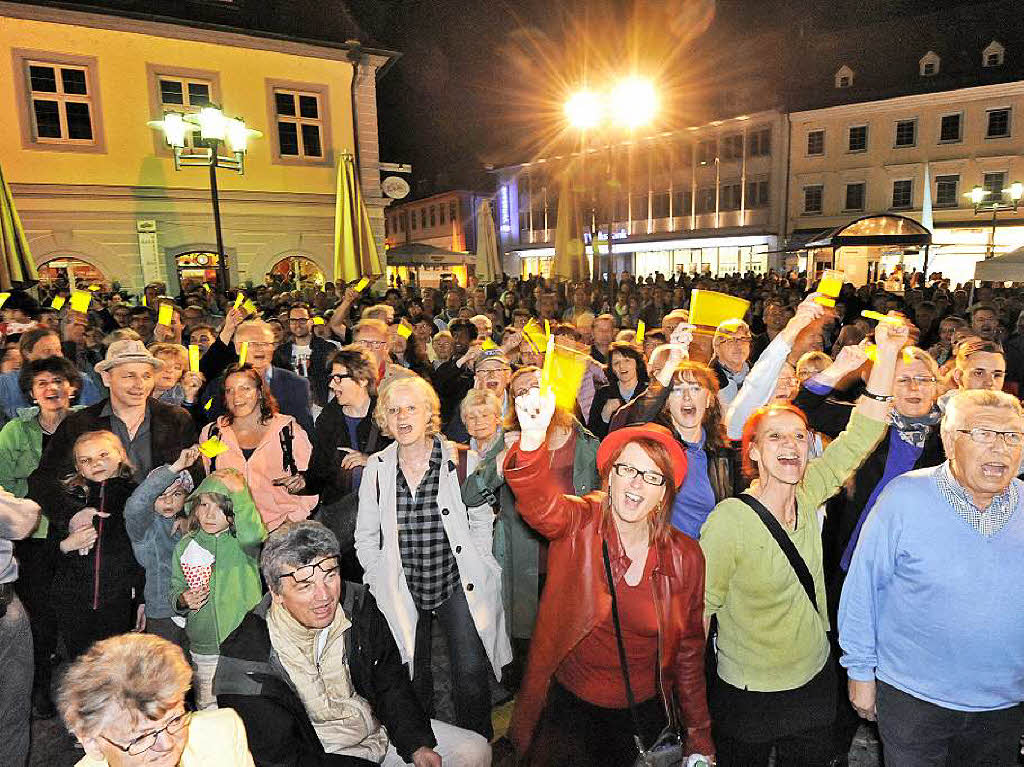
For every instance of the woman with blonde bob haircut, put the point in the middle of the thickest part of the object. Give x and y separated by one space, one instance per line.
426 557
124 700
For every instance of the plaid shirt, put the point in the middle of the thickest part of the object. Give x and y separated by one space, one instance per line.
430 568
986 521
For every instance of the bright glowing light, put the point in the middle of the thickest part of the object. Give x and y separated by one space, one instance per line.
634 102
174 128
584 110
1016 191
977 195
237 135
212 124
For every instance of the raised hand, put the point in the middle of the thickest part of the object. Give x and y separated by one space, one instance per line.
187 457
534 410
192 383
890 336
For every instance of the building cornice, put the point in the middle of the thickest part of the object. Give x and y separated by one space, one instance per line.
158 193
198 31
942 98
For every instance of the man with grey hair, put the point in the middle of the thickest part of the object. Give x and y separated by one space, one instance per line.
929 618
316 676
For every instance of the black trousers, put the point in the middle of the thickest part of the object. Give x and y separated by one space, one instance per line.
37 562
574 733
81 625
470 667
916 733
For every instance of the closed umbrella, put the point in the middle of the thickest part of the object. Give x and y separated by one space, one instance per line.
355 250
488 267
17 270
570 256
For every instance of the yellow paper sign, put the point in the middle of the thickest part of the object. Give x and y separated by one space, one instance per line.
361 285
94 288
143 300
870 315
710 309
563 371
166 315
209 404
640 328
403 331
249 306
80 301
537 338
244 353
193 358
239 298
547 328
57 303
206 287
212 447
3 298
318 320
488 344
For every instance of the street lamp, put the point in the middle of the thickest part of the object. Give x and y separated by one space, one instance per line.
630 104
215 130
1009 199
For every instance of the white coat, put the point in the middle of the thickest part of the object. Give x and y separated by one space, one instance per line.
470 533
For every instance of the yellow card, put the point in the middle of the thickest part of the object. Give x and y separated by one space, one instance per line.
533 334
206 287
361 285
239 298
143 300
80 301
318 320
242 355
57 303
488 344
193 358
868 314
212 447
3 298
249 306
547 328
640 331
94 288
403 331
209 404
166 315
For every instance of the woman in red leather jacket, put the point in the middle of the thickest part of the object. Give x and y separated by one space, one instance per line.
573 705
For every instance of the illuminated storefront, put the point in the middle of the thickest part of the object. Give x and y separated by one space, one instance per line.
74 271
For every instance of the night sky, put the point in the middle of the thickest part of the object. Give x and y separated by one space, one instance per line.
482 82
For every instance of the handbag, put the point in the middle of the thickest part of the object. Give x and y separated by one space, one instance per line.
667 749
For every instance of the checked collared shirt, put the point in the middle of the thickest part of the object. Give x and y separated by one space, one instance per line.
431 571
986 521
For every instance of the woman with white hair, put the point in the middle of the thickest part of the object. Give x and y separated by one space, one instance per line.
124 701
426 556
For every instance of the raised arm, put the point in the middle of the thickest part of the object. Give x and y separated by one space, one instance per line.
18 516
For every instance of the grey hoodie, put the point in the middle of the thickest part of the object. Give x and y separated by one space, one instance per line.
153 539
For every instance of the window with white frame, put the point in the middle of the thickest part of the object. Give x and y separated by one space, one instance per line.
929 64
813 199
951 129
998 123
902 194
184 94
858 140
906 133
993 55
947 191
61 103
815 143
300 124
855 194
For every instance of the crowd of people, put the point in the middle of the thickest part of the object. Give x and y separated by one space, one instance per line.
235 523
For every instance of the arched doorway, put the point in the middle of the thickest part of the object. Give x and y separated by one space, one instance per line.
299 272
197 268
71 271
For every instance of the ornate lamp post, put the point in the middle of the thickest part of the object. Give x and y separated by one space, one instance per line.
1009 199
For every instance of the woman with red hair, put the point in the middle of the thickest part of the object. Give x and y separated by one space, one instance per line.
618 649
775 684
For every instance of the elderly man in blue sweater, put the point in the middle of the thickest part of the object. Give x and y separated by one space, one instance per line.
930 618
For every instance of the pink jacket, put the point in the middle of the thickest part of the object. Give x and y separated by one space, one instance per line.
276 505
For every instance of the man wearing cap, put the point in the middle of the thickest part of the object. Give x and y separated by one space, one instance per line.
491 372
153 433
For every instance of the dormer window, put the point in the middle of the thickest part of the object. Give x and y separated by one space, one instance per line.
993 55
844 77
929 64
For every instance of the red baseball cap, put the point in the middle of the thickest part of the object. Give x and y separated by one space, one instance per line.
617 439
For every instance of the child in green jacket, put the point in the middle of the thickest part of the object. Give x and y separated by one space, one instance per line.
215 578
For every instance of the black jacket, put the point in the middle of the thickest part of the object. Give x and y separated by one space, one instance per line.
251 679
451 383
596 423
171 431
324 477
318 374
651 406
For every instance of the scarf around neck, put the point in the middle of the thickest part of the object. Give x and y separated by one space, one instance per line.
914 430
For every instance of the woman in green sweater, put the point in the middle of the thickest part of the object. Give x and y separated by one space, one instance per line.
775 684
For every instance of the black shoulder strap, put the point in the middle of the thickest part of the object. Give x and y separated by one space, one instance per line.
214 433
462 465
795 560
287 456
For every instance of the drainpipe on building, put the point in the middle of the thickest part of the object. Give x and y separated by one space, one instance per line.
355 56
785 200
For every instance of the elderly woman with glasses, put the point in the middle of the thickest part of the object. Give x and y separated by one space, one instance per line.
427 557
618 651
124 701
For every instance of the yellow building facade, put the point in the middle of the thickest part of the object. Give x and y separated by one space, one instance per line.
96 187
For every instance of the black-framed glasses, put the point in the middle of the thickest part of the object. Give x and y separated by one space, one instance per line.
143 743
988 436
650 477
337 378
305 573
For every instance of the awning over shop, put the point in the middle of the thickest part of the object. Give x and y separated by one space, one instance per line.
873 231
421 254
1009 267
